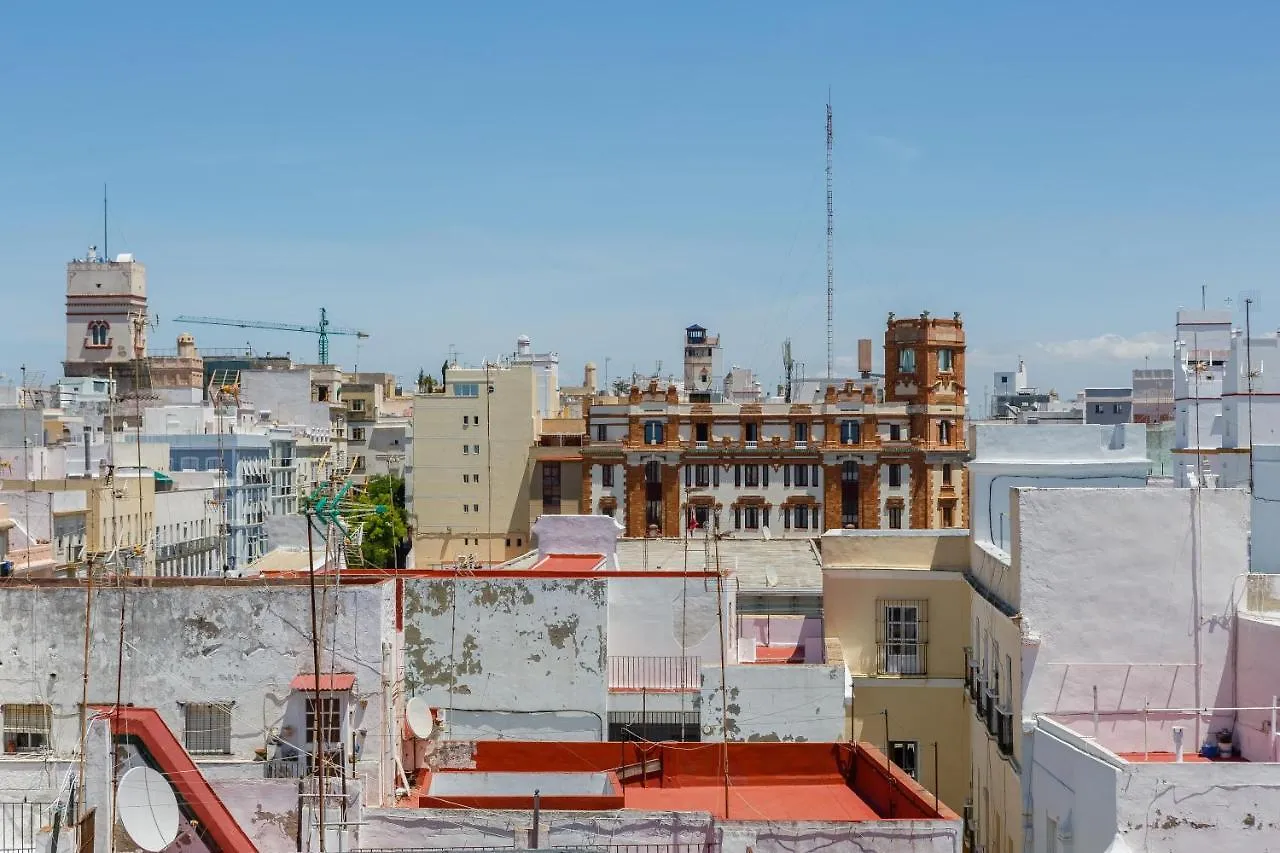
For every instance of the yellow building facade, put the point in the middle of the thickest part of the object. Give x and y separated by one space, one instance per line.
472 440
898 604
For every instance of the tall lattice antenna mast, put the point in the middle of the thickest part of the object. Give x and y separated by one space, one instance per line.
831 271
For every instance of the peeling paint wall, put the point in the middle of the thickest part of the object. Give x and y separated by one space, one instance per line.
531 645
783 702
267 810
470 828
239 644
1191 808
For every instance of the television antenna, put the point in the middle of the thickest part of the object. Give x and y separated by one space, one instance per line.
148 809
831 271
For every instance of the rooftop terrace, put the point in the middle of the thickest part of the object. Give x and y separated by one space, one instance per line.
766 781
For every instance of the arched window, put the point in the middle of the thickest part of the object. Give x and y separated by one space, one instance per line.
99 333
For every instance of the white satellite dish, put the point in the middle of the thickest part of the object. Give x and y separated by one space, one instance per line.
418 715
770 576
148 809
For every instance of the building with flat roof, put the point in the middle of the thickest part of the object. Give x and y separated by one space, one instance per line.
1108 405
857 459
471 464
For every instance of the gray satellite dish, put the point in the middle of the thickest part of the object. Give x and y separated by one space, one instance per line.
418 715
148 809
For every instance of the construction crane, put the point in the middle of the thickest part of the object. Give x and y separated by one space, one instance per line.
323 330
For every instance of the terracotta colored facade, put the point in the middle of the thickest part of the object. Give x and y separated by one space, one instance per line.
874 452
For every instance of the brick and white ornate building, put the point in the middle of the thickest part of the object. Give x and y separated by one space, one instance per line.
870 454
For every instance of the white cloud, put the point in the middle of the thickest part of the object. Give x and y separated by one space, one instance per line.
1110 347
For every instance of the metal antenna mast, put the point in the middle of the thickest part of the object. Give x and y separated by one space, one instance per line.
831 274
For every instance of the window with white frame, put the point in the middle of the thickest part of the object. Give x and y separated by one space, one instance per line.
902 636
27 727
208 728
466 389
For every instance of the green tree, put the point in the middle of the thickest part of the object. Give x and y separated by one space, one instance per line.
385 531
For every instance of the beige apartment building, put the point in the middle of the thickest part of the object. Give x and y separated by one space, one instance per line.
898 603
471 472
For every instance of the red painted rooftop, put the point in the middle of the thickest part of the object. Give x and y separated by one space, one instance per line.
779 654
833 801
569 563
767 781
334 682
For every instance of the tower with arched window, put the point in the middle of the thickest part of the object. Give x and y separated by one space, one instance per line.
106 315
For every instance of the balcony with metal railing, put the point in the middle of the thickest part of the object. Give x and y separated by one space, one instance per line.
282 768
898 657
636 674
990 709
1004 731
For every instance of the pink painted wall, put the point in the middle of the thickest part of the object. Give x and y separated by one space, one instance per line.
1258 669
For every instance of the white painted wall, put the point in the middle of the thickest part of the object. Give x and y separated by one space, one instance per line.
533 645
1191 808
232 643
1258 674
1117 585
577 534
653 616
393 828
1264 547
1007 456
1074 783
775 702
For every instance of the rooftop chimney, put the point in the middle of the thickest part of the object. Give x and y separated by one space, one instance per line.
864 357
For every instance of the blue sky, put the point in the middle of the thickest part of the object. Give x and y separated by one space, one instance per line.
600 176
